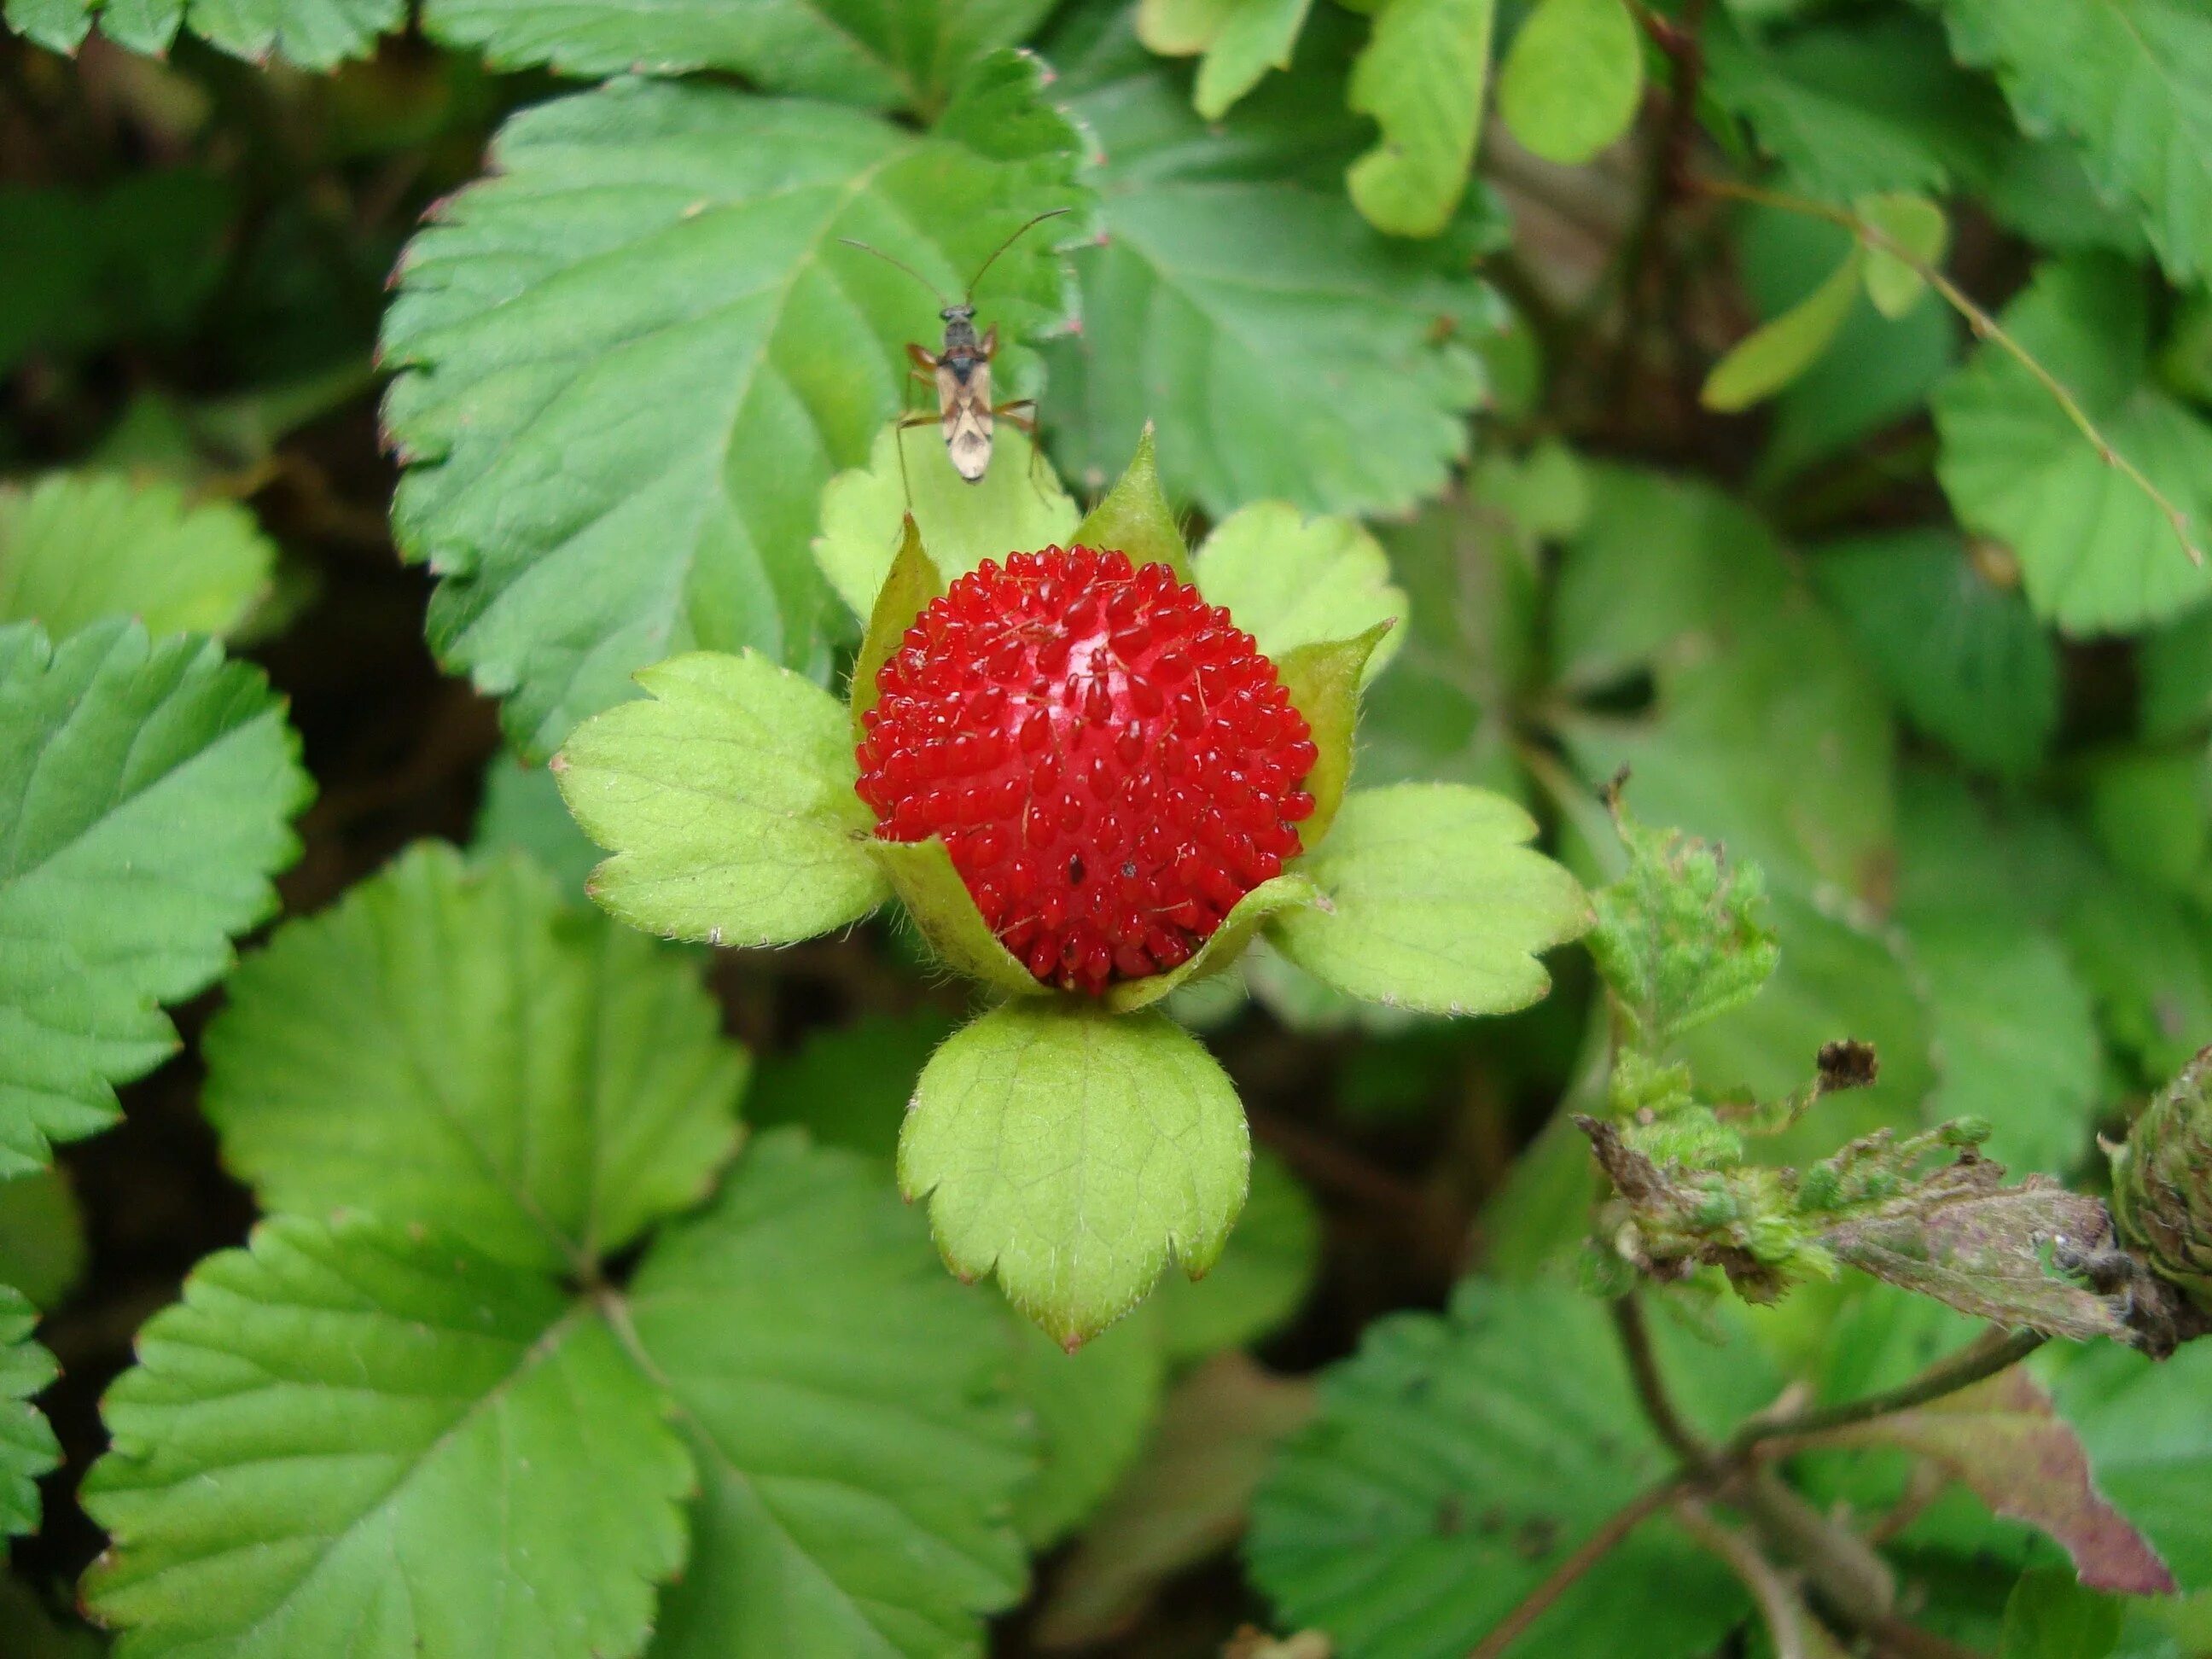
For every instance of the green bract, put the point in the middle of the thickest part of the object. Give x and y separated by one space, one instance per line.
1072 1146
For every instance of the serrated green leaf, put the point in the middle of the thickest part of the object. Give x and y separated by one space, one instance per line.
312 34
907 55
922 874
1290 580
521 810
1773 355
905 592
1456 1463
28 1447
43 1249
845 1404
2096 552
1017 507
673 250
346 1436
849 1086
1223 946
2130 80
1422 77
1431 900
144 796
1093 1409
1135 517
1075 1155
1919 234
1572 79
2050 1615
75 547
726 799
1262 1278
454 1045
1323 679
2149 1444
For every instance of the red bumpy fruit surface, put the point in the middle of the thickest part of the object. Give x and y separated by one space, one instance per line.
1111 764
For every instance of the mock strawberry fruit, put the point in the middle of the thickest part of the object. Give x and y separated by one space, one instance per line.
1111 764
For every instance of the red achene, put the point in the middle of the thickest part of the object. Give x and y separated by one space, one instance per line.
1111 764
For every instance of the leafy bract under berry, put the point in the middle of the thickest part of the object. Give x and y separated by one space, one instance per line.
1111 764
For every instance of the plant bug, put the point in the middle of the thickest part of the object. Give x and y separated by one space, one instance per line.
960 369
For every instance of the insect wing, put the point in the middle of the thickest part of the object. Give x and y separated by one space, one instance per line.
965 417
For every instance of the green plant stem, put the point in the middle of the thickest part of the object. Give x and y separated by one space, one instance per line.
1976 1362
1984 326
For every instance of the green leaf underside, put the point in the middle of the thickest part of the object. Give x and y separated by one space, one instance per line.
143 805
1093 1408
1432 901
1075 1155
1290 580
726 799
1456 1462
1135 517
77 547
1422 78
312 34
858 1457
2096 554
28 1447
454 1045
1017 507
673 252
1572 78
910 54
2150 1445
913 582
1323 680
1222 947
360 1440
922 874
1777 353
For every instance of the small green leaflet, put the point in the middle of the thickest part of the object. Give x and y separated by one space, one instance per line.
1240 40
1572 79
1076 1155
312 34
145 797
1422 78
1910 234
684 271
1776 353
456 1045
75 547
28 1447
2096 553
1290 580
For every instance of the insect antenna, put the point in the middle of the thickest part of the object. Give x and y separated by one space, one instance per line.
849 242
1021 231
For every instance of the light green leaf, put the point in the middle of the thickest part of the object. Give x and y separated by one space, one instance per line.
910 54
2150 1444
1093 1409
28 1447
312 34
454 1045
1919 232
849 1086
1456 1462
1773 355
727 801
78 546
521 810
1260 1278
1135 519
2132 81
1017 507
1965 660
1242 40
673 250
1323 679
922 874
145 795
43 1249
1223 946
905 592
1422 78
1572 79
1290 580
846 1405
1075 1155
345 1438
1430 900
2050 1616
2096 553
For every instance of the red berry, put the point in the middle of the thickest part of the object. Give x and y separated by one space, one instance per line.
1111 764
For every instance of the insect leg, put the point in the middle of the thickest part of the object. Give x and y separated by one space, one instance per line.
1026 422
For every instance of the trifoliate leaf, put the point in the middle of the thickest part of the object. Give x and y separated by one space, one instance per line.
43 1249
1572 79
1134 515
849 1086
727 802
521 811
2150 1443
2096 553
1773 355
1965 660
145 795
28 1447
846 1405
348 1439
1093 1409
1422 78
312 34
1432 900
1456 1462
632 357
1242 40
76 547
1017 508
1283 349
1289 580
2131 82
2050 1615
1075 1155
453 1044
1262 1278
1911 235
907 55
